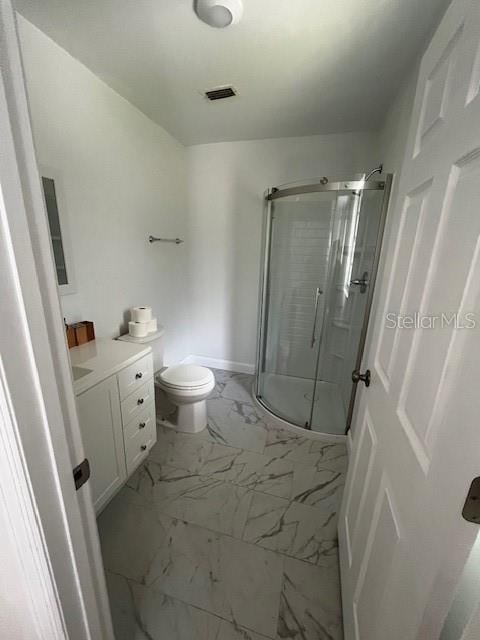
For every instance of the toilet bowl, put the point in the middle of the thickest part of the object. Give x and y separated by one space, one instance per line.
187 386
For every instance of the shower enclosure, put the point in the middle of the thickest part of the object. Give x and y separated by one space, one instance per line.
322 245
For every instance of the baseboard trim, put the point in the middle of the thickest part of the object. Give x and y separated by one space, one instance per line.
217 363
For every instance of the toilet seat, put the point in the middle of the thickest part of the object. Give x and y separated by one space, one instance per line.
187 386
189 377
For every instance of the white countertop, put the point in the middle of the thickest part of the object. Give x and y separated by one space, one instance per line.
104 357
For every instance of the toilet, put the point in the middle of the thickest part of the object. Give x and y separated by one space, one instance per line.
186 387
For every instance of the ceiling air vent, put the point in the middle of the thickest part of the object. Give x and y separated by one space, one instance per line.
221 93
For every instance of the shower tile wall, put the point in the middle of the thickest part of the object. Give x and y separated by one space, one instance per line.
300 253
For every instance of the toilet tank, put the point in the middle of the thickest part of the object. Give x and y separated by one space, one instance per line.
155 341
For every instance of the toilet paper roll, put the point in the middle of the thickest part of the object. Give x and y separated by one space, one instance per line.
152 325
138 329
141 314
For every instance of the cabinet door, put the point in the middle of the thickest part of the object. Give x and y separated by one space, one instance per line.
101 425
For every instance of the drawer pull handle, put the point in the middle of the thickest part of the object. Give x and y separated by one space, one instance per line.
139 375
143 447
142 425
140 401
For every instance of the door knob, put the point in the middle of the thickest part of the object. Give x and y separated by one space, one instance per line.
361 282
364 377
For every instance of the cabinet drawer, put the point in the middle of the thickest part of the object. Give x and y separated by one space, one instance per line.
134 376
138 401
143 421
139 444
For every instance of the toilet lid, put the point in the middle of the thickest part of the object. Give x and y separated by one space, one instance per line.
186 376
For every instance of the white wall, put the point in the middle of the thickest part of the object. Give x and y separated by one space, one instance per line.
226 186
123 178
393 135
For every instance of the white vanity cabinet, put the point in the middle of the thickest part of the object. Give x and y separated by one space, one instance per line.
102 430
116 409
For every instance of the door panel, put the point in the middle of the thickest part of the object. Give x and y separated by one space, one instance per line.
416 443
411 224
362 468
376 567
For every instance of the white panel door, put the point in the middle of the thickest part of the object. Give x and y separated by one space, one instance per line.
417 434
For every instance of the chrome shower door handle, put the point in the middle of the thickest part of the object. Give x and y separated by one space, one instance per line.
318 293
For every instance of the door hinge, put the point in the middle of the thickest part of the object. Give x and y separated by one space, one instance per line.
471 508
81 473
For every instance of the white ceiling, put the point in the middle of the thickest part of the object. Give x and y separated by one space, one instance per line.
300 66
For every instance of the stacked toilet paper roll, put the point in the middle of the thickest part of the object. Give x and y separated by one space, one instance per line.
142 322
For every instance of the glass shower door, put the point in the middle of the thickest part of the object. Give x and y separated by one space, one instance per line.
354 247
300 247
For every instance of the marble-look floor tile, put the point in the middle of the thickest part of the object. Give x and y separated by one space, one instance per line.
235 432
188 567
205 454
252 582
140 612
262 473
288 445
219 460
226 577
228 534
310 603
245 411
329 455
242 380
130 536
252 470
293 445
232 631
203 500
320 475
237 581
321 489
294 529
248 412
191 452
121 607
181 559
181 450
239 387
221 379
245 468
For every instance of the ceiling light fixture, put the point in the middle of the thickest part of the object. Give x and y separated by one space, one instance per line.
219 13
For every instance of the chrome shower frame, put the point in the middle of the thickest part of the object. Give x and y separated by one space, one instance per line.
357 184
